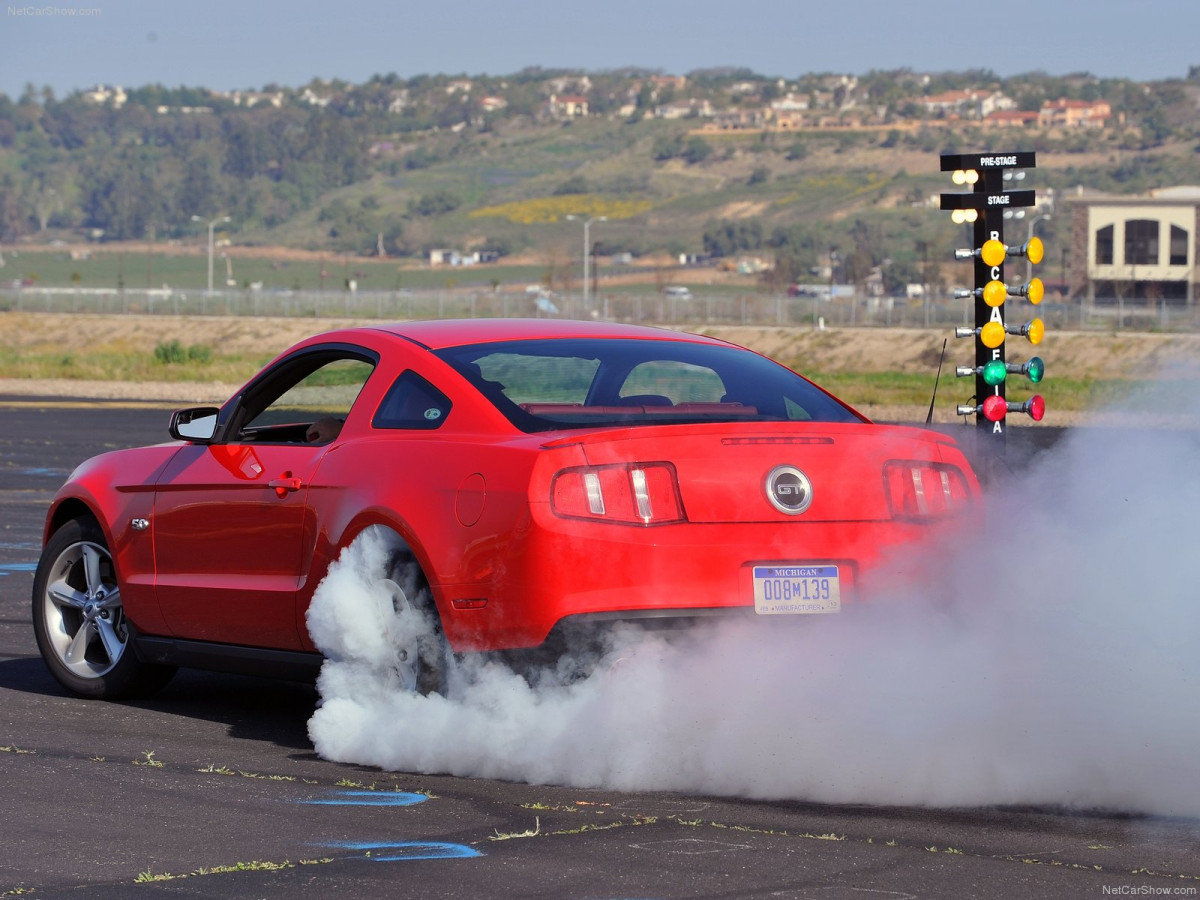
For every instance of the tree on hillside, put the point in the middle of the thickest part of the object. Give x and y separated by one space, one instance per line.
434 204
124 198
730 237
200 192
13 221
696 150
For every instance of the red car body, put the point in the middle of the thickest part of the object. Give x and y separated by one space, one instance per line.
523 514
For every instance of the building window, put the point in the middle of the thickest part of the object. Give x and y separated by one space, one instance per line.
1141 242
1104 246
1179 250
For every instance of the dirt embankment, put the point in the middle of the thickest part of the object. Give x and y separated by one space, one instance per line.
1081 356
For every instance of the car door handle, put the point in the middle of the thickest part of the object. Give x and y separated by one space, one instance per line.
285 485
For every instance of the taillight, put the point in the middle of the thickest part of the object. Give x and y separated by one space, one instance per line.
924 490
630 494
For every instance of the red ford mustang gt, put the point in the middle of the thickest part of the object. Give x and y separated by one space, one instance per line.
530 477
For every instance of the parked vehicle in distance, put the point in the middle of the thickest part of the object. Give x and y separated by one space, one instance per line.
529 477
677 292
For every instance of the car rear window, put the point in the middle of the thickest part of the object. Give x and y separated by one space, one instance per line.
542 385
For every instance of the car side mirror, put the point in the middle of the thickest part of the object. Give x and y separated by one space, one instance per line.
198 424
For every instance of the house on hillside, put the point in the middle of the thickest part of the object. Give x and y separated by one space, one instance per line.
309 96
571 106
678 82
397 100
684 109
1012 118
790 103
104 94
250 99
967 104
1064 113
789 120
567 84
736 119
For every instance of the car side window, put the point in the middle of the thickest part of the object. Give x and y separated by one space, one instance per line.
306 401
412 402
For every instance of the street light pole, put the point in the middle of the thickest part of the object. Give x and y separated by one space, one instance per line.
211 225
587 255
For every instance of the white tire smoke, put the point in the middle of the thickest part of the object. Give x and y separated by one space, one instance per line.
1049 659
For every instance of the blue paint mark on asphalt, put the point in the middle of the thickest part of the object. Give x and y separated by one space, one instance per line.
10 568
405 850
368 798
392 851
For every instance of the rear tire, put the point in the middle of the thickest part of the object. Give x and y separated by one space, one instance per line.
79 621
423 660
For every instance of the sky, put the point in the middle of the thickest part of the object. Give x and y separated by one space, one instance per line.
234 44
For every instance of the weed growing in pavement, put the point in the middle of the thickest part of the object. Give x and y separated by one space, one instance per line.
537 829
149 876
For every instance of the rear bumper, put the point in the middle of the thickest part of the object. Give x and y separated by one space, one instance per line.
605 573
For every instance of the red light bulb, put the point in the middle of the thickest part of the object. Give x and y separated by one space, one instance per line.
994 408
1037 407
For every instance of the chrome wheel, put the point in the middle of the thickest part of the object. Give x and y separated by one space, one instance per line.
422 655
407 664
81 607
79 620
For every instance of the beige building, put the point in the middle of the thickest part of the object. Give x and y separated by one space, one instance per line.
1065 113
1135 248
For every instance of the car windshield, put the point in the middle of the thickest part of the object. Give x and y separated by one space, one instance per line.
542 385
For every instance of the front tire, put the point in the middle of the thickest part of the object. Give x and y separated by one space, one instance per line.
79 621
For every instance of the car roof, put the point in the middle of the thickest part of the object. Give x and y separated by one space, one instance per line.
437 334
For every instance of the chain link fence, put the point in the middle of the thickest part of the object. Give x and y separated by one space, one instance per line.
749 309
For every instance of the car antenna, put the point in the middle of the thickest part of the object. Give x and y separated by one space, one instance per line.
936 379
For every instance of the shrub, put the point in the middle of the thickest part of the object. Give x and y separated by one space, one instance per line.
167 353
171 352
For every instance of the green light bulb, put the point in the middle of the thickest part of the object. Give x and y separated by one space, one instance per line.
994 372
1035 369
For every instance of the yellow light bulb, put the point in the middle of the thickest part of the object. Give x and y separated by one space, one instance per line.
992 253
1034 250
1037 330
1035 291
992 335
994 293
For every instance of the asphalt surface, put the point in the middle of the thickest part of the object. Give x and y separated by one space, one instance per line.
213 788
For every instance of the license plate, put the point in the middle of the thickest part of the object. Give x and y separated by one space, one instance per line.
796 590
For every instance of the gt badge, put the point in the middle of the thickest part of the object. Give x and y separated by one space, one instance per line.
789 490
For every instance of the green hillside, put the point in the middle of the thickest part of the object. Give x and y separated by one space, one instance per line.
495 165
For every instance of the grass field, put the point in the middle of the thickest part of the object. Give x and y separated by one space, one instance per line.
154 269
207 363
870 367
